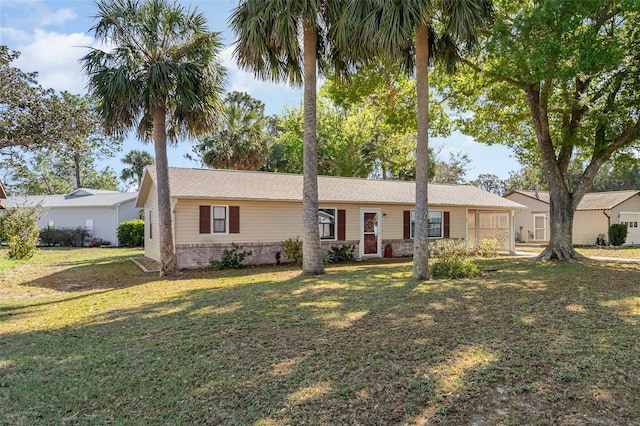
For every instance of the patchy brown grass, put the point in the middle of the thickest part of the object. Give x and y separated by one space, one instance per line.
364 344
632 253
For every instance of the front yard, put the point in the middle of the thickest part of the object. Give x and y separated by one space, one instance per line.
88 338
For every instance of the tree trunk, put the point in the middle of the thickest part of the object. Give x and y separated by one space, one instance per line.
168 264
421 237
311 248
561 212
76 163
561 206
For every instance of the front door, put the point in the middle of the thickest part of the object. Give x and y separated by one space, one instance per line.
370 238
539 227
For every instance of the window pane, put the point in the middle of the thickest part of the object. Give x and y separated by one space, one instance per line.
219 225
435 224
219 212
327 223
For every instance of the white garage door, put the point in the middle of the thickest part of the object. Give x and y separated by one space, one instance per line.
632 220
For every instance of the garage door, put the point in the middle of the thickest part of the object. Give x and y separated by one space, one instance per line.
632 220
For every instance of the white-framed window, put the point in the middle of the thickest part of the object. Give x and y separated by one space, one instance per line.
219 220
89 226
435 223
50 224
327 219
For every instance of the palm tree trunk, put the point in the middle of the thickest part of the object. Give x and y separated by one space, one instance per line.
421 237
168 263
311 248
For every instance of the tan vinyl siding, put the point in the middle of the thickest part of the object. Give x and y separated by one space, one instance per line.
268 221
152 246
525 218
631 205
587 225
259 222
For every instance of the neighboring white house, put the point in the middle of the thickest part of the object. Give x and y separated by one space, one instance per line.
595 213
99 211
214 208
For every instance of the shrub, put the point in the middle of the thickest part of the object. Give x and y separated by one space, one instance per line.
78 236
63 237
231 258
19 229
454 267
449 247
343 253
131 233
292 248
98 242
50 236
487 248
617 234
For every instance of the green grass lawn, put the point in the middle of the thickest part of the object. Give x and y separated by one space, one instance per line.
88 338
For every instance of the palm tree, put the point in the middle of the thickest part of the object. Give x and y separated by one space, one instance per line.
269 35
137 160
414 32
162 77
241 143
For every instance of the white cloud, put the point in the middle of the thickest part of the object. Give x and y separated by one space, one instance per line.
58 17
55 57
275 95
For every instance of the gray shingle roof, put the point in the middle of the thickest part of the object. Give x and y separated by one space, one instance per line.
243 185
94 198
591 200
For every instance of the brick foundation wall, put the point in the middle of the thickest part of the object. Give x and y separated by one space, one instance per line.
399 248
195 256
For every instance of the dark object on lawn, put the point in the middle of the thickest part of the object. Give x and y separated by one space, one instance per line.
600 240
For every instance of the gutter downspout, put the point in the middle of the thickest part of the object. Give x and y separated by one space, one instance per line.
604 212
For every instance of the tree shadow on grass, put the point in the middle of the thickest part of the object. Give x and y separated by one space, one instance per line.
529 343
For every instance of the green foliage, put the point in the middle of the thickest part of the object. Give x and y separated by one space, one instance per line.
137 161
55 237
131 233
231 258
617 234
342 253
292 248
19 229
447 247
64 237
487 248
241 142
70 163
453 267
27 111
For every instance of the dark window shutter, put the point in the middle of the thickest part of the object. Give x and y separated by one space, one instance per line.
234 219
205 219
406 225
446 226
342 233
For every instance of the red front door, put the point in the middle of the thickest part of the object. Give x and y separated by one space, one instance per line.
370 233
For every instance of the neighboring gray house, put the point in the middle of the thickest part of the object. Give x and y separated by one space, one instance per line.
99 211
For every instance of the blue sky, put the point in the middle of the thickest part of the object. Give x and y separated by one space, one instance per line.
53 34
